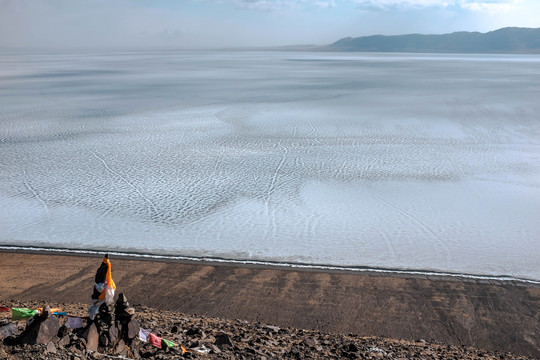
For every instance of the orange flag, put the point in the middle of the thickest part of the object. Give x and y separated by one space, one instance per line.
105 286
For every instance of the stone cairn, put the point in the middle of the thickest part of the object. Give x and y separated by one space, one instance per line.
114 328
42 328
111 327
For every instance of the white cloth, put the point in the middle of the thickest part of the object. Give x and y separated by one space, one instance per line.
75 322
109 294
99 286
94 309
143 334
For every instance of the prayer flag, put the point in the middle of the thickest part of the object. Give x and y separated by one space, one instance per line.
143 334
154 340
169 343
53 310
104 285
2 309
22 313
75 322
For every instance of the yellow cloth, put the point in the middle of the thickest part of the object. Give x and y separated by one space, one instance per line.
109 279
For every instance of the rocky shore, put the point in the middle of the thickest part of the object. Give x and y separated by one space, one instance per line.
201 337
342 315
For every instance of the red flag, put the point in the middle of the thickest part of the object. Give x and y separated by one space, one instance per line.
4 309
154 340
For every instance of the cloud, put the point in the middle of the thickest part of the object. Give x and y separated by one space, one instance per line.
280 6
222 23
474 5
268 5
490 6
382 4
93 23
325 4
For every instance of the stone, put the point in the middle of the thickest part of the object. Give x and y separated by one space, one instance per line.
351 348
135 347
113 335
40 331
223 339
121 349
273 328
51 349
123 310
8 330
215 349
103 340
92 338
193 331
64 341
294 353
349 355
105 316
63 331
133 329
3 354
310 342
122 299
46 311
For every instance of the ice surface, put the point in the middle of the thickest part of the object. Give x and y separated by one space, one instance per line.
395 161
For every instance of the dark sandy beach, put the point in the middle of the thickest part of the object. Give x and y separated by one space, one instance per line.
503 317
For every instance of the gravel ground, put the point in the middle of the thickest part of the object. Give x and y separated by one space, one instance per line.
214 338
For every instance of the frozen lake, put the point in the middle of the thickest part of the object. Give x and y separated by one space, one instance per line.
401 161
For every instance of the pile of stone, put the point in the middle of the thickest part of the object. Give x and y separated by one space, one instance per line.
114 330
111 327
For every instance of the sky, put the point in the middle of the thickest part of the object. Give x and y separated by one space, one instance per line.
195 24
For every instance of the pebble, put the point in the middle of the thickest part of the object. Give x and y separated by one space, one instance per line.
222 339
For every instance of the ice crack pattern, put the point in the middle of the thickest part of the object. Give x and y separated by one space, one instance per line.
349 161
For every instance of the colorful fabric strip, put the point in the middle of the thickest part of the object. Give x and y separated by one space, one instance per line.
22 313
143 334
154 340
75 322
169 343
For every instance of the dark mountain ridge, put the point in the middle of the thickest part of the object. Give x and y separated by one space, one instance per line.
506 40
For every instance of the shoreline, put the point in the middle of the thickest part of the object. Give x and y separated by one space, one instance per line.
502 317
264 264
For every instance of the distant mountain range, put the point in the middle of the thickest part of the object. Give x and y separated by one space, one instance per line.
506 40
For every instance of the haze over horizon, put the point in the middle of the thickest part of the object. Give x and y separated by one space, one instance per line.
232 23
